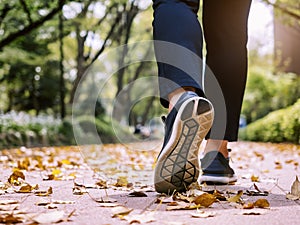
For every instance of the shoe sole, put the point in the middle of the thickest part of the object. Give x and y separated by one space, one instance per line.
178 164
217 180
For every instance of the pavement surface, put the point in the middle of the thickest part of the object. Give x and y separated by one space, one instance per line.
112 184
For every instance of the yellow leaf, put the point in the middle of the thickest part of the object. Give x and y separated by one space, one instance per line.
24 164
66 162
254 178
236 198
122 182
56 172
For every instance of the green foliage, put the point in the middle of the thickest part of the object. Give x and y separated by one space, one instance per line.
21 129
279 126
266 92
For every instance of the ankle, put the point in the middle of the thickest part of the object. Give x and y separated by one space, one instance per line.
175 95
217 145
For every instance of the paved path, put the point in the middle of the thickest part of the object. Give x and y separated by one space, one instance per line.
274 167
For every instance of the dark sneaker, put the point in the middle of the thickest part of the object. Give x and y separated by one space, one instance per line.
186 125
215 169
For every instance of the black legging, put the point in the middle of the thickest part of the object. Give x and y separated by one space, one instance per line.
225 34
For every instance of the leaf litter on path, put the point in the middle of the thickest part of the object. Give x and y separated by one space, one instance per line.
124 170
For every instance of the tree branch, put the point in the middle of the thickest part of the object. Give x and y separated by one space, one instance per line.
10 38
4 12
283 9
26 10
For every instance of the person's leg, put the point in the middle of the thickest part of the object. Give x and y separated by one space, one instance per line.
175 22
225 32
190 116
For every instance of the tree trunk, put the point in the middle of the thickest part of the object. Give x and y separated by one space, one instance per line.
62 88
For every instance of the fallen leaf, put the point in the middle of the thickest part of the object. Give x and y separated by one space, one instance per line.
51 206
137 194
120 211
105 199
262 203
79 190
10 219
27 188
140 218
62 202
8 201
164 200
101 183
122 182
219 195
181 197
181 206
295 189
49 217
10 207
43 193
256 192
108 204
16 177
236 198
42 203
203 214
254 178
24 164
205 200
249 205
253 212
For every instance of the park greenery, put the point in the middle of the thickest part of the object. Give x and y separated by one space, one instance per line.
47 49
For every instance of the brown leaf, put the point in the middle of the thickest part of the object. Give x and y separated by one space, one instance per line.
205 200
24 164
43 193
101 183
8 201
262 203
15 177
27 188
295 189
137 194
249 205
10 219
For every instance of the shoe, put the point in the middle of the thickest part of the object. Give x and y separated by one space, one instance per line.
215 169
177 165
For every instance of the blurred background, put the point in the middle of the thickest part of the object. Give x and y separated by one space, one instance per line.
46 47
